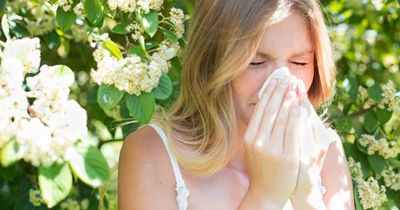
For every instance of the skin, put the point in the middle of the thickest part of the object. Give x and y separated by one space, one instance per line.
253 177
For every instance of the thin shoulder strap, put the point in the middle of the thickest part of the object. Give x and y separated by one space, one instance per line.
182 191
175 165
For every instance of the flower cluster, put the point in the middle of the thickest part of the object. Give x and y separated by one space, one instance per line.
177 18
385 148
371 194
355 170
391 99
50 124
43 13
133 74
65 4
391 178
132 5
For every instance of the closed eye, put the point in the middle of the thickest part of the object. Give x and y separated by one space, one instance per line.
299 63
257 63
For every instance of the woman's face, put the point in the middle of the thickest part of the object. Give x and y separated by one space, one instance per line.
285 43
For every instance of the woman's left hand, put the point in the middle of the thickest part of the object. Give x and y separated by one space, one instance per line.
307 194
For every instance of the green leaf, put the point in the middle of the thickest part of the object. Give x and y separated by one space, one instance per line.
356 198
89 165
371 122
141 107
375 92
149 22
9 153
344 124
65 19
52 40
113 48
350 85
377 163
94 11
383 115
150 45
108 96
164 88
55 183
120 29
137 50
169 35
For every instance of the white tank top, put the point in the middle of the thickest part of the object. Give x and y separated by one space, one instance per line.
182 193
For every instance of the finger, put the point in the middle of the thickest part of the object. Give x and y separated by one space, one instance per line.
281 121
293 133
271 111
304 101
259 109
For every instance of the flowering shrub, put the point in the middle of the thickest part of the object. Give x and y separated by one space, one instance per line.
77 76
56 124
366 109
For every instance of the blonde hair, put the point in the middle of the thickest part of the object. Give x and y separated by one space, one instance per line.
224 35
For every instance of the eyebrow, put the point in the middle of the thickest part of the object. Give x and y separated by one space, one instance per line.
266 55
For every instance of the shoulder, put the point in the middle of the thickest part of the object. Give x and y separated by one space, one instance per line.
145 172
336 176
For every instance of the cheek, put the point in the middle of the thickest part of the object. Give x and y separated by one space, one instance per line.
305 74
246 85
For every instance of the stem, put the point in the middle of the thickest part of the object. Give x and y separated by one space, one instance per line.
108 141
355 114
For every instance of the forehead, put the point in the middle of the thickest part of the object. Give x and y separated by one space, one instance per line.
291 35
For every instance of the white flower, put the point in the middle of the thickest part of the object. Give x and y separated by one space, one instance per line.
65 4
391 178
355 170
137 31
371 194
169 49
158 60
71 124
124 5
26 50
35 140
144 5
389 96
79 10
177 18
95 37
12 73
385 148
105 74
156 4
100 53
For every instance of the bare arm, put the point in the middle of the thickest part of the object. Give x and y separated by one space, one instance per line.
144 177
337 179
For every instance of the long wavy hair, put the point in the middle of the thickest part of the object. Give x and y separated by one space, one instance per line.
224 35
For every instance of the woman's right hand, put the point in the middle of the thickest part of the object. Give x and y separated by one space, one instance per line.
272 144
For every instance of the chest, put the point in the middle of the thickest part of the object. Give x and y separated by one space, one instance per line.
224 190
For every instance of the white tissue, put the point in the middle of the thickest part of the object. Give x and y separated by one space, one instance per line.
279 73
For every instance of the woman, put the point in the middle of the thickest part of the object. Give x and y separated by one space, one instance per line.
229 148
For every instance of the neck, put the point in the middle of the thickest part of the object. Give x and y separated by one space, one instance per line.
238 161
